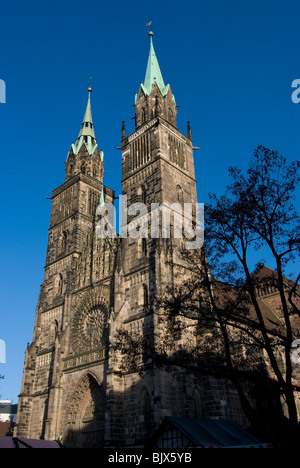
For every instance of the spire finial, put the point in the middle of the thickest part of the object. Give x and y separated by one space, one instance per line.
153 73
87 126
90 82
150 31
86 134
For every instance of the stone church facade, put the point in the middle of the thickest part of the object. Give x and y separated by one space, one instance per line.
93 287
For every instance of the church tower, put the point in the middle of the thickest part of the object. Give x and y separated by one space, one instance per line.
157 159
157 146
157 171
72 264
94 287
84 156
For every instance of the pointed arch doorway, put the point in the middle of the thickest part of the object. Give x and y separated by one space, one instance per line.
85 417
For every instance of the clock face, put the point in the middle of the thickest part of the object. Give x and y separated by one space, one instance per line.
89 325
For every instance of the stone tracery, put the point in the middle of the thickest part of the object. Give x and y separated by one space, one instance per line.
84 422
88 327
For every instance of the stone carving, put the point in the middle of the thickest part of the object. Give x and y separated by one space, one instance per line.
84 421
88 328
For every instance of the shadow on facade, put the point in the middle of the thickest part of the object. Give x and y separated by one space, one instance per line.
96 427
46 404
98 415
130 419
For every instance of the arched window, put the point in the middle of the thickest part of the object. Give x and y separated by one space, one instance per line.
53 330
83 168
144 413
142 194
64 242
144 246
179 194
145 296
198 413
58 285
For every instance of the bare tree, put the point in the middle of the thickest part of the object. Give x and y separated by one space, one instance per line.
257 211
219 299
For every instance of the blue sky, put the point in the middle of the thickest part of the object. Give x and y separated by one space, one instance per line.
230 65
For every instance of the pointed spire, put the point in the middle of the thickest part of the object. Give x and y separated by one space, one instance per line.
153 73
86 134
87 126
84 155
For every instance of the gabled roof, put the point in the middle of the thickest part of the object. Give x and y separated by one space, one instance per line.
228 296
21 442
8 409
207 433
265 274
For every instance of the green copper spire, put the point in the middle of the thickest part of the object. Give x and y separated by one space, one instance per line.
153 73
86 134
87 127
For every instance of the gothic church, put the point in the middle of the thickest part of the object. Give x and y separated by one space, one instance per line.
93 287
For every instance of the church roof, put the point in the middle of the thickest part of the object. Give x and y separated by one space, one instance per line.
86 134
268 299
87 127
153 73
184 432
21 442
